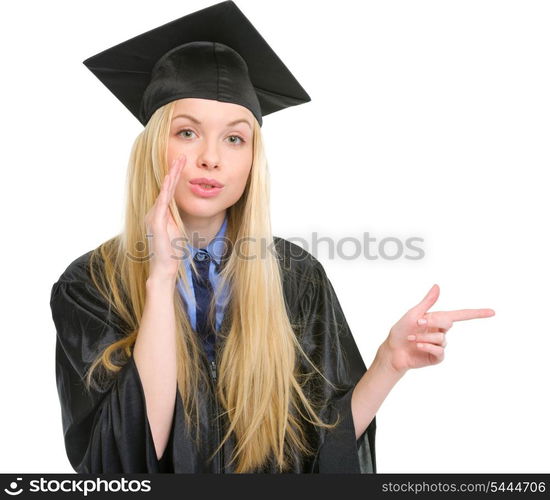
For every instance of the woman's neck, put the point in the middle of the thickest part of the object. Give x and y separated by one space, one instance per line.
202 230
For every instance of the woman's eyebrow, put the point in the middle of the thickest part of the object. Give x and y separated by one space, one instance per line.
230 124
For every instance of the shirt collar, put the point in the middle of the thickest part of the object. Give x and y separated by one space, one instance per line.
216 246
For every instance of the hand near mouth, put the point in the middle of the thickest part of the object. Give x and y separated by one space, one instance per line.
161 227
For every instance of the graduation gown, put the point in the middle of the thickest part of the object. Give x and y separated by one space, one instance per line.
107 430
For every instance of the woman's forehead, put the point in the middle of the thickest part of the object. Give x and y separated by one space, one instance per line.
211 109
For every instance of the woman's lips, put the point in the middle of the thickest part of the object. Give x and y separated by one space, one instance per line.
205 192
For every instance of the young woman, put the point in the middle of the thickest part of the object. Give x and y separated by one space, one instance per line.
195 340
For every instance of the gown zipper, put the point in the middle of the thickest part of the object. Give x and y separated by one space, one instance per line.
214 372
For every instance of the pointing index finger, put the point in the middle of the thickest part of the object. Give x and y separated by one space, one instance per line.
464 314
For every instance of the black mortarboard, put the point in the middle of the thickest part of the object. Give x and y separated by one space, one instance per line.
213 53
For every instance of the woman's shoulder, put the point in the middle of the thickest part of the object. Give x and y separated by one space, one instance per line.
303 275
78 307
78 269
75 288
295 258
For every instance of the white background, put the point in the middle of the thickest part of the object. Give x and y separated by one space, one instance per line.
428 119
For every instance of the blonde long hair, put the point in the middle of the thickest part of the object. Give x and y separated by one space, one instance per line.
260 387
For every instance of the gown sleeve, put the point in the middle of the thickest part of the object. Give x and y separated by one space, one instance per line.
333 348
106 429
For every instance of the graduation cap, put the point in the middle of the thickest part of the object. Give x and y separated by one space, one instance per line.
213 53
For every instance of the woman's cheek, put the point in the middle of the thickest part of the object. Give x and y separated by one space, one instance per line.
232 193
172 151
229 193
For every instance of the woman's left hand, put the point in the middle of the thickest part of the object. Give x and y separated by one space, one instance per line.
418 338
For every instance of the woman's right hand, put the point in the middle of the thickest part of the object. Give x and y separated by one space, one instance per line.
161 227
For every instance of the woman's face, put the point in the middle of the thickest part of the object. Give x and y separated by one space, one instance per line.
216 138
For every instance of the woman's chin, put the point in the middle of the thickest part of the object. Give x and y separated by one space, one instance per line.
201 209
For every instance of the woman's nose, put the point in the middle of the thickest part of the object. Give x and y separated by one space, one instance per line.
209 156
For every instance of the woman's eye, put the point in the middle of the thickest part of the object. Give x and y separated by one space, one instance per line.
182 132
236 137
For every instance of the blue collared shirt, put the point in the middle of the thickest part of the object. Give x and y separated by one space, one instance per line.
215 248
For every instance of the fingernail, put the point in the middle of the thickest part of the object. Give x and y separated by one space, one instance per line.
420 345
422 321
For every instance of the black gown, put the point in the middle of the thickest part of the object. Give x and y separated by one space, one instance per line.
108 431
